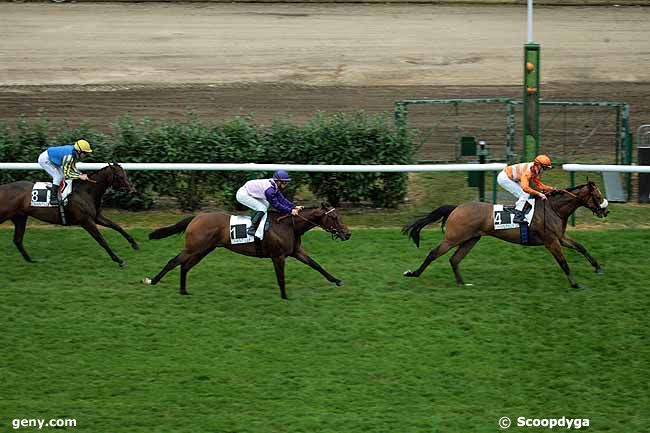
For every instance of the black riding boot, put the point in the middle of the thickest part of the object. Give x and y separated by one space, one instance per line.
54 195
255 222
520 215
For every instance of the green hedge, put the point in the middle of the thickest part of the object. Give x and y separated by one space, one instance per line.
341 138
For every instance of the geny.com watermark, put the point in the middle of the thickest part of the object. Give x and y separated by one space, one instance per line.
568 423
40 423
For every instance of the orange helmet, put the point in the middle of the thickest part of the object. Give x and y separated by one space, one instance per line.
543 160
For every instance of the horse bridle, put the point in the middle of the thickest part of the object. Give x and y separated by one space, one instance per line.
330 230
583 202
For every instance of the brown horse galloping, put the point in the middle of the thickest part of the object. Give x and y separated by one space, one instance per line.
83 209
468 222
208 231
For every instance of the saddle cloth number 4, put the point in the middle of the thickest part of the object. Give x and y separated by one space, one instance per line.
503 217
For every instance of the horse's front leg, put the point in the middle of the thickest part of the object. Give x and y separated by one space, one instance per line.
302 256
570 243
20 221
91 228
278 264
103 221
555 248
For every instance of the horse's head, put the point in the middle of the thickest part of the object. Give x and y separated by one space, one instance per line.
331 221
116 177
593 199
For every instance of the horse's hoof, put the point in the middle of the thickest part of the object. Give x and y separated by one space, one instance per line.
122 264
186 294
600 271
409 274
135 246
146 280
339 283
577 286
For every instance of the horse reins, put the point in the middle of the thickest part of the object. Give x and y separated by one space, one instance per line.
329 230
575 196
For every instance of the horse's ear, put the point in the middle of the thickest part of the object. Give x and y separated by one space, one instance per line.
325 205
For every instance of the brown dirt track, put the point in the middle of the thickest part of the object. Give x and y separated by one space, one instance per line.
94 62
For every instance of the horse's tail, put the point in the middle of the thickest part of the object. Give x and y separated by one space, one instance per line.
413 229
171 230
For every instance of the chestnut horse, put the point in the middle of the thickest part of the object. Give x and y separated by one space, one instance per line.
83 208
205 232
468 222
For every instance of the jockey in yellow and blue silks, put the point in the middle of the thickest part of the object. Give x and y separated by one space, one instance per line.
61 163
259 194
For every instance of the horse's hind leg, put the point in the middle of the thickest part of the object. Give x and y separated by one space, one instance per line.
20 221
187 264
441 249
168 267
459 255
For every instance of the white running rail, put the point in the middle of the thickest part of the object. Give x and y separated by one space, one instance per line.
273 167
606 167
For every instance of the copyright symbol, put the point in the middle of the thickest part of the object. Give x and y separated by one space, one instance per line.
504 422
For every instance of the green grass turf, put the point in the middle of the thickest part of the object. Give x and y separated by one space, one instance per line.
82 338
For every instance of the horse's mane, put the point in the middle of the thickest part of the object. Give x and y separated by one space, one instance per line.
107 166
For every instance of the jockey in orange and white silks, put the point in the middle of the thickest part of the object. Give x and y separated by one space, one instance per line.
516 180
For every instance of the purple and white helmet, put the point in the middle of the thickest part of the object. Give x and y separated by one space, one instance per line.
281 175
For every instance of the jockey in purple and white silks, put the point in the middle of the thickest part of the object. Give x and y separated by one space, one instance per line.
258 194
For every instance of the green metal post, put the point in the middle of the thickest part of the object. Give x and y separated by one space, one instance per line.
494 187
530 145
627 144
510 134
482 152
628 176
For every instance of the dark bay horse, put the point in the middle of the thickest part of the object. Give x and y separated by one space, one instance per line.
205 232
465 224
83 209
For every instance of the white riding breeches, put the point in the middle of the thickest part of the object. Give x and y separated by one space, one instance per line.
513 188
53 170
257 204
